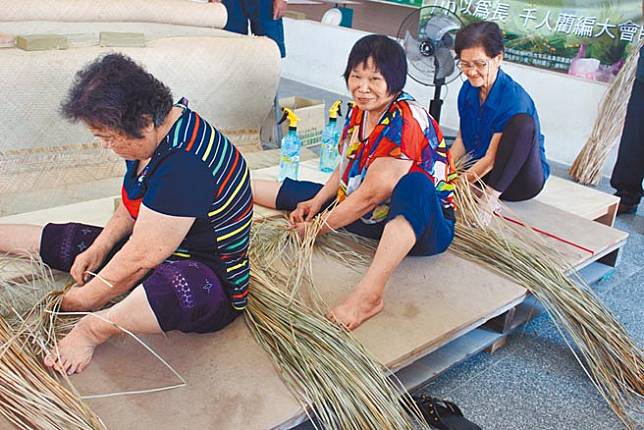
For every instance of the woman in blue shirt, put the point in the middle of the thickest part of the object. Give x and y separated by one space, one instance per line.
499 125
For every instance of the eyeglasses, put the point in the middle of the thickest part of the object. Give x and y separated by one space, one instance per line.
479 65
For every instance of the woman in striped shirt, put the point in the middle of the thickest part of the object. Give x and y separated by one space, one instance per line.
178 242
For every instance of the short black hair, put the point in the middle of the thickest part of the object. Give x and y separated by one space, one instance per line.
485 34
115 92
388 57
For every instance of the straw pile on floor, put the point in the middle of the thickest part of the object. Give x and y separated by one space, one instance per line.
332 376
612 361
327 370
587 167
30 397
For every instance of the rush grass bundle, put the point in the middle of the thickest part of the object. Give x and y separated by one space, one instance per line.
24 280
30 397
587 167
327 370
600 344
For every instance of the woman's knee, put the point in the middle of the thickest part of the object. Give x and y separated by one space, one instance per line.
414 197
20 238
265 192
521 123
188 295
416 183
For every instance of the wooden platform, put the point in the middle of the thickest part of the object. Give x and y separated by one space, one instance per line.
580 200
435 315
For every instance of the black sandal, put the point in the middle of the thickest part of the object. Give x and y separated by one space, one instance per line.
443 415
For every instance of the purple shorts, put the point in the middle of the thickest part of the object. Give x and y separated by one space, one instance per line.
184 294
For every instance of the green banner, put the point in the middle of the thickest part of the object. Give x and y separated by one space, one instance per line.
586 38
416 3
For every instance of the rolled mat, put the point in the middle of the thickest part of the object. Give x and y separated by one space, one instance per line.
180 12
231 81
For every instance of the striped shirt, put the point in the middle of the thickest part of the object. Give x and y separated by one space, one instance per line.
196 172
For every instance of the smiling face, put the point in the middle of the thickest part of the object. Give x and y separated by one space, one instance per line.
369 88
129 148
479 69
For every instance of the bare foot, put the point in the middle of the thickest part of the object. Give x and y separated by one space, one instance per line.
358 307
490 206
75 351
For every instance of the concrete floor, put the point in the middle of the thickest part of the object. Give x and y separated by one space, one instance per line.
534 382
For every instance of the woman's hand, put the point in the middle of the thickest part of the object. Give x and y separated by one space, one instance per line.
279 8
305 211
300 228
89 260
83 299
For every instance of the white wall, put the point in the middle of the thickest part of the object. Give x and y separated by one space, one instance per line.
567 106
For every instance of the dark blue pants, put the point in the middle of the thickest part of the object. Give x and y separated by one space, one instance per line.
518 172
414 198
260 15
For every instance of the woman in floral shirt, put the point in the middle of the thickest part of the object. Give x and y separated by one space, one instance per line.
393 181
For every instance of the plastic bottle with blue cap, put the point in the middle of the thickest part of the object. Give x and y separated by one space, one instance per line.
330 137
290 150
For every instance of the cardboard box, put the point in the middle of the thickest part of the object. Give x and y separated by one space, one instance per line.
312 114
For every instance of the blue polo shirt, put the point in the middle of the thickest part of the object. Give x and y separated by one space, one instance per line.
479 122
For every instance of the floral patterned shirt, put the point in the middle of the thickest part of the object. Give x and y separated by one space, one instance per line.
406 132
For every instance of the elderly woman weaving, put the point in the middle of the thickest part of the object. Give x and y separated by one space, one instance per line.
499 124
392 181
177 242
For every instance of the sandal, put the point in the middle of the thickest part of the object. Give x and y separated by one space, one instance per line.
443 415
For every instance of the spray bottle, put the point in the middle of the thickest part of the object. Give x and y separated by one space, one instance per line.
291 144
330 136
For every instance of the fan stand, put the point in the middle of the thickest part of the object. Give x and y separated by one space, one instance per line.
435 106
436 103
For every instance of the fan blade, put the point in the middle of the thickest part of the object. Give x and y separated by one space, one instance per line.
445 63
412 47
438 25
425 67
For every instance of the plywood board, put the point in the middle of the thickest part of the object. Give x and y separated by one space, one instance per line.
93 212
232 384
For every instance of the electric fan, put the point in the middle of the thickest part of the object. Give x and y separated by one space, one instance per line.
427 35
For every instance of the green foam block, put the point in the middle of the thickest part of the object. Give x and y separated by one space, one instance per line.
41 42
121 39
